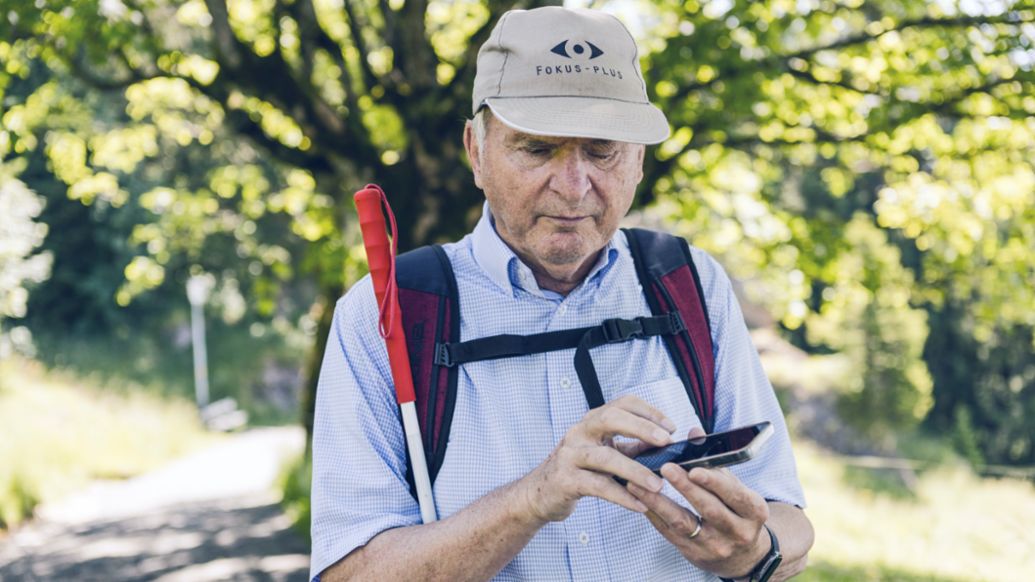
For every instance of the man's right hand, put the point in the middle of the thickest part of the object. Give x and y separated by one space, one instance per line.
586 459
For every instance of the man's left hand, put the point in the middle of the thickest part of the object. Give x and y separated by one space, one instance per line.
731 540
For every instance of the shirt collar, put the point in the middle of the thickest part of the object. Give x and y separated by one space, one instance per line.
510 273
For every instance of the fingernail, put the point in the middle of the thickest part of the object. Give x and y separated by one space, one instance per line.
671 426
663 436
655 483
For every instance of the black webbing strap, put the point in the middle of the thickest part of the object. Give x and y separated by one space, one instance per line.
613 331
506 346
582 339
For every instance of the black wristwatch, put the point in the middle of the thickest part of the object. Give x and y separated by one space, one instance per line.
765 568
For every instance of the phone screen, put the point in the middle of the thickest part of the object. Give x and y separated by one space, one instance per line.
721 448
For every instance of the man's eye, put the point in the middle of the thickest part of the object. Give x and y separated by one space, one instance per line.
601 155
538 151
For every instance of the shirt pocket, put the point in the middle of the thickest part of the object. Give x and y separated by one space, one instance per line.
669 396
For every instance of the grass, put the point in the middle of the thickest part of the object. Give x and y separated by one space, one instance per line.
59 433
949 526
943 524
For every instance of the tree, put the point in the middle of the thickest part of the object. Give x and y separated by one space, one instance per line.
791 120
805 122
20 234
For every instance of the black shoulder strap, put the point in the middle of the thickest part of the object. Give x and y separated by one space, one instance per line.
430 308
671 284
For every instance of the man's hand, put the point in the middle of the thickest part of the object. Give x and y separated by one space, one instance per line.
586 459
731 539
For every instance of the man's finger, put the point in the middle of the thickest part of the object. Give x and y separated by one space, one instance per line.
618 420
609 461
664 513
707 504
640 407
632 448
603 487
734 494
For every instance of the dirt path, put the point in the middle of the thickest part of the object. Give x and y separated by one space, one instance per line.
210 516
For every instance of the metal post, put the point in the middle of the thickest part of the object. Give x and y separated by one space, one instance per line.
198 288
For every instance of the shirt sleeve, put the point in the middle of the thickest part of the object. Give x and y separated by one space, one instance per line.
359 486
743 394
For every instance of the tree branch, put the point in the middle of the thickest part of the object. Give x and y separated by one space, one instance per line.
1012 17
391 23
808 76
78 65
314 36
417 58
151 35
945 108
356 32
272 79
227 44
781 60
242 124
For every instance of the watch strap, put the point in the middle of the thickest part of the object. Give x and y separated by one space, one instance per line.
764 569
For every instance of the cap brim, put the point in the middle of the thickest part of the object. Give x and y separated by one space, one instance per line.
582 117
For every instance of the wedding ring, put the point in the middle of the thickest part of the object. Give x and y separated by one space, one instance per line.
697 530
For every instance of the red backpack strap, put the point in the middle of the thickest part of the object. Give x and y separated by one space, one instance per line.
430 308
671 283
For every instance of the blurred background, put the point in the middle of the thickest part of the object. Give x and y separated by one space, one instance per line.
865 170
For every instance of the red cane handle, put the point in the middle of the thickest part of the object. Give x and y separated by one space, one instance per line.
381 258
375 240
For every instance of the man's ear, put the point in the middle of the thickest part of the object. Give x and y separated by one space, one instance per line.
473 155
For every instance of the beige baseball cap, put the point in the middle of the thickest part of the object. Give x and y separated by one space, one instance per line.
566 72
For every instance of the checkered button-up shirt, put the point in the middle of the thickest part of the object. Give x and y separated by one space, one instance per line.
511 413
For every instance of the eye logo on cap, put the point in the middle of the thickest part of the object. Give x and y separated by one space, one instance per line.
577 49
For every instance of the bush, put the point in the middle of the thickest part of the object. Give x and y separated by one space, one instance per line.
296 483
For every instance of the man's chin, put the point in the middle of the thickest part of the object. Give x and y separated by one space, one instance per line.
567 254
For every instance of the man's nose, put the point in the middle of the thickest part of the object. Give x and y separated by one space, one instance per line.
571 177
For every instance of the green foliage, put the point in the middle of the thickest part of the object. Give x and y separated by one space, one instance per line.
965 437
864 166
20 235
865 314
59 433
295 484
985 392
824 571
17 500
949 524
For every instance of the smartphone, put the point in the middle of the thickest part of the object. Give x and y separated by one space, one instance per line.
714 450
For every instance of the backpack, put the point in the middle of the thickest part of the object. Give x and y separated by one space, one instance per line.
431 320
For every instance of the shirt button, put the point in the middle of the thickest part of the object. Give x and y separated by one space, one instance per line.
583 538
565 383
562 309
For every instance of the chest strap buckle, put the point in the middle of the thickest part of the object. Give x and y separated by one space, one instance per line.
620 330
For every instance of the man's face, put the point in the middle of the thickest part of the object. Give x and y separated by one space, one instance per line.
556 201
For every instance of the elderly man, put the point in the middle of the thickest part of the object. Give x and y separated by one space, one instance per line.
526 489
